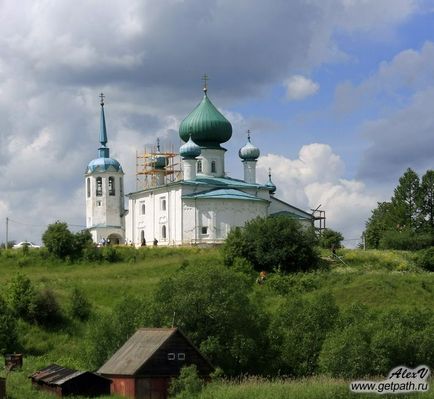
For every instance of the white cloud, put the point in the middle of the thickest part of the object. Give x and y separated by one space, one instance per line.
298 87
316 177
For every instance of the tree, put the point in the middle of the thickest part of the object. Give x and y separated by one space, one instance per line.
381 220
273 243
406 199
426 199
330 239
212 306
188 385
21 297
63 244
79 305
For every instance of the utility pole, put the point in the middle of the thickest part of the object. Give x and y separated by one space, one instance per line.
7 232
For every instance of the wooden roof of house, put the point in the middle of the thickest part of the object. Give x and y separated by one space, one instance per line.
138 350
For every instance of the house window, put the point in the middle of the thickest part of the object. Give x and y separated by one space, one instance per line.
181 356
111 185
199 166
88 187
163 232
213 167
143 209
204 230
171 356
163 204
99 186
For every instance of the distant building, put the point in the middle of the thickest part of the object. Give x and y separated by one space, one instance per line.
62 381
198 205
144 366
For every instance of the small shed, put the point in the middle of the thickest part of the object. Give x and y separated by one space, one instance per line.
144 366
62 381
13 361
2 388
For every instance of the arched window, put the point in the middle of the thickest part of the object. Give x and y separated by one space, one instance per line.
142 237
163 232
99 186
88 186
213 167
121 187
163 204
143 209
111 185
199 166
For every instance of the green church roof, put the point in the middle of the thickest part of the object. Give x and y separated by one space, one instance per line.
207 127
221 193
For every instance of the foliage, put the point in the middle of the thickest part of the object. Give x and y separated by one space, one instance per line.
188 385
79 305
211 305
8 329
21 297
425 259
107 332
298 330
330 239
407 221
273 243
47 309
63 244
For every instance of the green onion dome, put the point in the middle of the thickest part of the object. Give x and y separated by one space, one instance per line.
189 150
270 185
207 126
249 152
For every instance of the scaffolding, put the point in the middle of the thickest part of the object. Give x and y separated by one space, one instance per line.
150 167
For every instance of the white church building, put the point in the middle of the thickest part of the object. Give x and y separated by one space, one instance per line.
200 206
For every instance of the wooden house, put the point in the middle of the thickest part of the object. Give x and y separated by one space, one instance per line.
62 381
144 366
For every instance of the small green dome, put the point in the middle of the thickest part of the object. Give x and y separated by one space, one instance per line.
189 150
249 152
270 185
206 125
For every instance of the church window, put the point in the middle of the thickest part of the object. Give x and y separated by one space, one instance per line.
204 230
121 187
98 203
199 166
163 204
111 185
88 187
163 232
143 209
213 167
99 186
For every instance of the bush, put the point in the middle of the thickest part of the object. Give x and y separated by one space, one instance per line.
187 385
406 240
8 329
21 297
273 243
47 309
330 239
211 305
298 330
63 244
79 306
425 259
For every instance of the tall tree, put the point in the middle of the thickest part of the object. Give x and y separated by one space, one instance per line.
406 199
382 219
426 199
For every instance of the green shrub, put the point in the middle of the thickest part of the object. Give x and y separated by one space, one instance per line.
21 297
79 306
47 309
330 239
406 239
188 385
8 329
273 243
298 330
425 259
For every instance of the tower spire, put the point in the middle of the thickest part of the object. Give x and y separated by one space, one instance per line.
102 126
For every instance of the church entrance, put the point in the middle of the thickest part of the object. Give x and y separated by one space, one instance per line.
115 239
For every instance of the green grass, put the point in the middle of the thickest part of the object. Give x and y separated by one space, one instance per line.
381 279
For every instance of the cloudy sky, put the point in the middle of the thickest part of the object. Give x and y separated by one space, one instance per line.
338 94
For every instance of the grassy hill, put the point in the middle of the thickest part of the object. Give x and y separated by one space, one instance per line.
378 279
